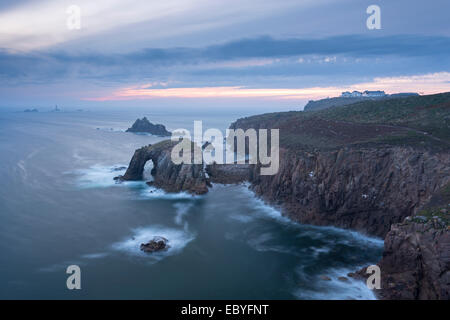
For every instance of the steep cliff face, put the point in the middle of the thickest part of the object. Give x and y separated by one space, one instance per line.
416 261
167 175
367 167
364 167
362 189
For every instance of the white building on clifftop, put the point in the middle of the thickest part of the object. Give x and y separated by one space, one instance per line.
368 94
348 94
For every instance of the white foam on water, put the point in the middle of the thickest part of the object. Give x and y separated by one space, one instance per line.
242 218
99 176
336 289
95 255
155 193
351 237
333 289
182 208
263 209
177 240
262 243
317 251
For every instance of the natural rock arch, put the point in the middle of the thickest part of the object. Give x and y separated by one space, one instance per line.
167 175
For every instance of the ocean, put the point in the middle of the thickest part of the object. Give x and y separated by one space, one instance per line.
60 206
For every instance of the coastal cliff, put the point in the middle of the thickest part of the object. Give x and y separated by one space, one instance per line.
376 167
416 261
363 189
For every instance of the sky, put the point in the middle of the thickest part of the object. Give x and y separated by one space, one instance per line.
276 54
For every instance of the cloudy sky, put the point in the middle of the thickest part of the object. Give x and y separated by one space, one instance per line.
211 53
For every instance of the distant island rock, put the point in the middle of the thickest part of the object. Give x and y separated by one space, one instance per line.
145 126
31 110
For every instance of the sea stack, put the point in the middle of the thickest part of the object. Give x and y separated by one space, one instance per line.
145 126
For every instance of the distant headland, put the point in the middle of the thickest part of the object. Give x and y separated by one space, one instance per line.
348 97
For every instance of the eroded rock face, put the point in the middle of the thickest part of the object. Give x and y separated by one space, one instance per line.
416 262
167 175
145 126
369 190
361 189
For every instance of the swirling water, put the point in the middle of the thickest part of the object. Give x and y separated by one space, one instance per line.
60 206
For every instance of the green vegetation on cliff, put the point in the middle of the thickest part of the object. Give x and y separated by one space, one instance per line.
419 121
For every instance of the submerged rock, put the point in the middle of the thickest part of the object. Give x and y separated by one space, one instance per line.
145 126
154 245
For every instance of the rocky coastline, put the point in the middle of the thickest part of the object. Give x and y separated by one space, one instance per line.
168 176
368 182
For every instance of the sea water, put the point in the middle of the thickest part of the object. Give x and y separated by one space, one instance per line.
59 206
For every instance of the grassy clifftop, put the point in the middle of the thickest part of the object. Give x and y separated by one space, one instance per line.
419 121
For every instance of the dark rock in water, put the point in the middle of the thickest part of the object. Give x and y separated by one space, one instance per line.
154 245
325 278
31 110
145 126
344 279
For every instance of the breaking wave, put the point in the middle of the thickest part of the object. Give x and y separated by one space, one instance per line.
178 239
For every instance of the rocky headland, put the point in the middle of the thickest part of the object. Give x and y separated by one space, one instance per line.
376 167
315 105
